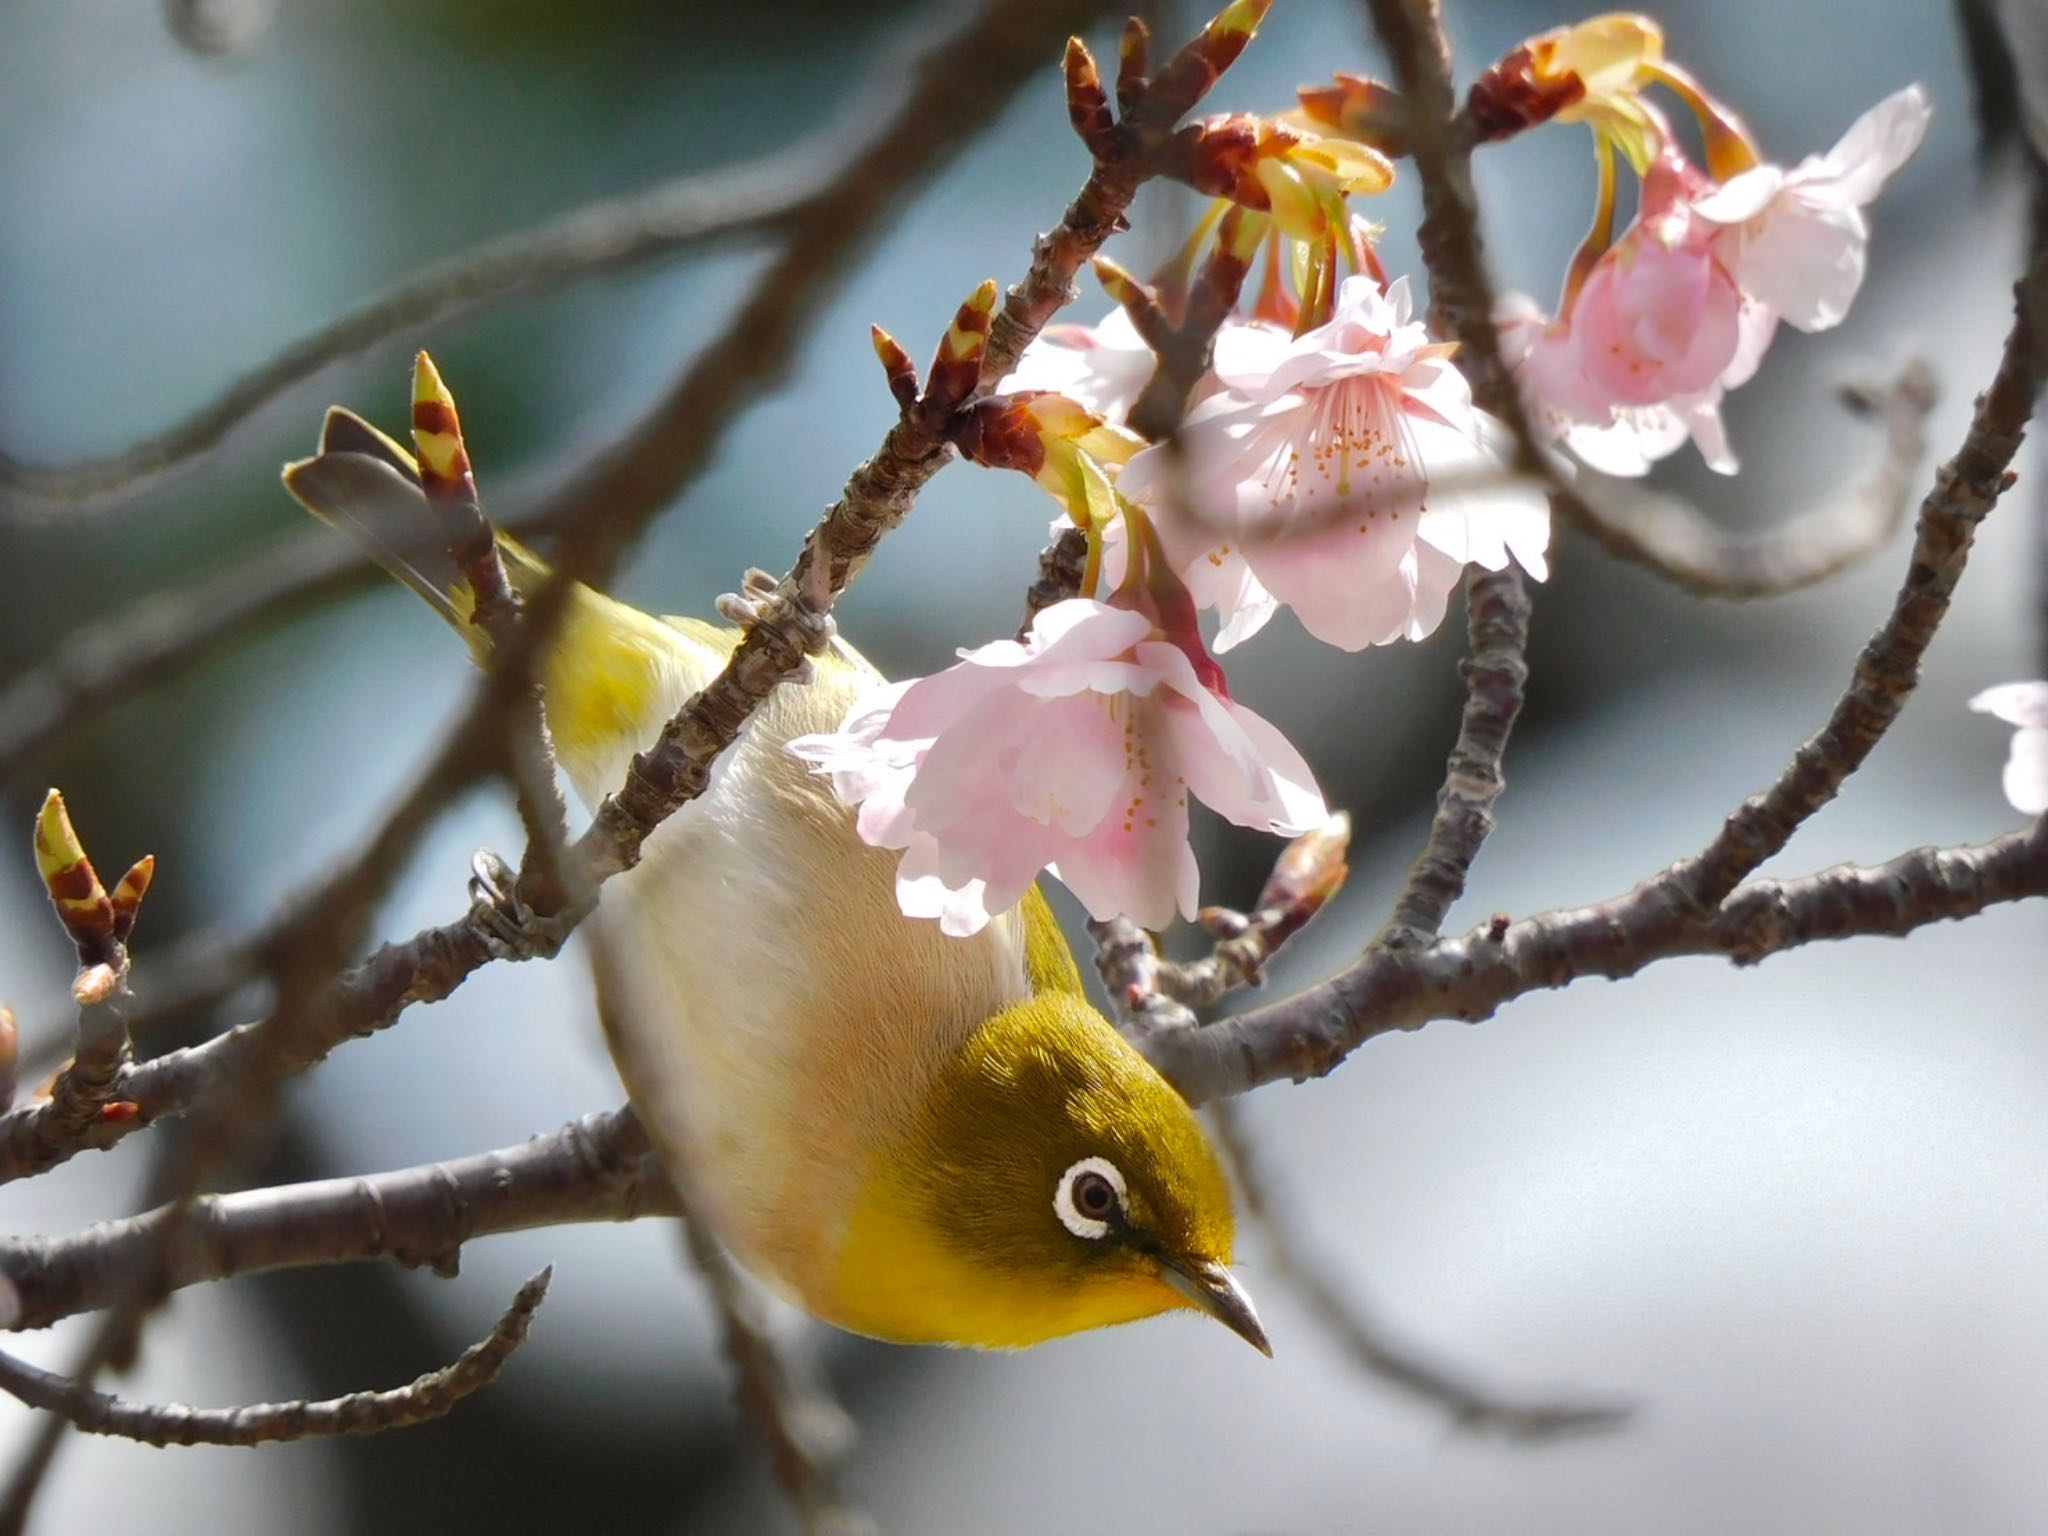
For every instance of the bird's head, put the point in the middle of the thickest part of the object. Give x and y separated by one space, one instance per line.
1053 1182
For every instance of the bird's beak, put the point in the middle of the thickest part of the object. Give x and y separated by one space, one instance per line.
1210 1287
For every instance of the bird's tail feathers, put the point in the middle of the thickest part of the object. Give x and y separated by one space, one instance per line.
365 484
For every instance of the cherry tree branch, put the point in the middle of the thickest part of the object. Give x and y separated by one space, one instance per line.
1963 494
1496 602
599 1168
431 1396
1469 978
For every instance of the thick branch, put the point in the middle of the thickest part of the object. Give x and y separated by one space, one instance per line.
431 1396
1497 619
599 1168
1470 977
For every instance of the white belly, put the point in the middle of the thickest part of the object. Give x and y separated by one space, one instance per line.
795 1014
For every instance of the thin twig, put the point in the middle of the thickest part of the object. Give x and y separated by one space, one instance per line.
1153 997
604 236
1471 1407
1886 672
1496 602
1671 537
431 1396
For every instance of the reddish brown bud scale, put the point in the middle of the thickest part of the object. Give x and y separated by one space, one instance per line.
120 1112
1509 98
897 367
999 433
1220 156
436 416
1087 102
1133 64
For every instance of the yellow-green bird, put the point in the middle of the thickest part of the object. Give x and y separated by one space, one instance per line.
917 1137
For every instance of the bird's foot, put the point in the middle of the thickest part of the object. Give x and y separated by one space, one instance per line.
511 929
759 594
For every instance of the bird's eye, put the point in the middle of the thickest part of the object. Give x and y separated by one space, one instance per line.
1089 1196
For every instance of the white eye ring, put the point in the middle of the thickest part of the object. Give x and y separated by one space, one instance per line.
1071 1216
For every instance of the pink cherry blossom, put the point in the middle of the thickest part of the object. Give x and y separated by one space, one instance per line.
1615 439
1795 239
1075 750
1659 331
1684 305
1344 473
1660 316
1102 367
2026 770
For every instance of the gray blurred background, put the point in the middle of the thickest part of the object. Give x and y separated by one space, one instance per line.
1797 1213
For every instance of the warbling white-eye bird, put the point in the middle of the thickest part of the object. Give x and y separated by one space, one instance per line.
918 1137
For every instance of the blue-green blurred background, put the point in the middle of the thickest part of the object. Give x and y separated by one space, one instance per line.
1798 1212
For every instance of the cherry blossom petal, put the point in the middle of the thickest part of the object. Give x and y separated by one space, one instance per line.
1103 367
1141 868
1351 588
1067 769
2021 704
2026 767
1806 264
961 774
1654 322
1742 197
2026 772
1247 351
921 893
1876 145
